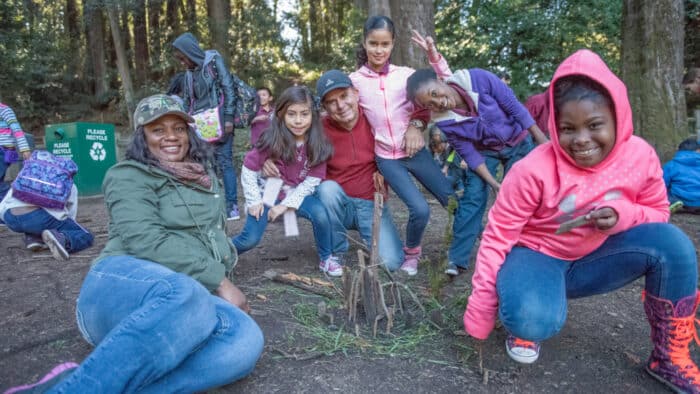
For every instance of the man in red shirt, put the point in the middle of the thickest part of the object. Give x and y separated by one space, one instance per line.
351 173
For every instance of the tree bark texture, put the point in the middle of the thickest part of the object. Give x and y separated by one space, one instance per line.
155 9
94 33
141 55
652 69
407 16
219 16
381 7
122 62
73 68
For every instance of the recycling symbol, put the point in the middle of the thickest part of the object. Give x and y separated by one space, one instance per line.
98 152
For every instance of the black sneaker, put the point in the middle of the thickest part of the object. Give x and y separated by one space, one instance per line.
57 243
34 243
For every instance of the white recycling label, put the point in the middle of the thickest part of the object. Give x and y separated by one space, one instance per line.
98 152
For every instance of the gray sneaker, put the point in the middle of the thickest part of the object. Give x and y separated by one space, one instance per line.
57 243
452 269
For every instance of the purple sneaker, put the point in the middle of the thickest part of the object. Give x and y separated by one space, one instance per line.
57 243
58 373
233 214
34 242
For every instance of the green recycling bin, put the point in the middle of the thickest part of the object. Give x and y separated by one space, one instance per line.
90 145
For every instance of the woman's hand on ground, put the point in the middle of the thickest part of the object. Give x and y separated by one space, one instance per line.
233 295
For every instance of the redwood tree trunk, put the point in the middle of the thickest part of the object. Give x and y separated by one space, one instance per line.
141 55
219 12
94 33
407 16
652 68
122 62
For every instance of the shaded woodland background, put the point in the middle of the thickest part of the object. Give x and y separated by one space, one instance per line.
66 60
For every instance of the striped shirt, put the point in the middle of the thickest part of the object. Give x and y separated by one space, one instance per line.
11 134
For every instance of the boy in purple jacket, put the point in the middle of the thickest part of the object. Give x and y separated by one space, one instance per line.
487 125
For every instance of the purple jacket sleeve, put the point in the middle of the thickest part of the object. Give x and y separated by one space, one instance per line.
489 83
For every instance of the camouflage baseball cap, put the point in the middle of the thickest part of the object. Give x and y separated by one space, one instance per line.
153 107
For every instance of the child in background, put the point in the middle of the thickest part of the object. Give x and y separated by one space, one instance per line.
399 141
682 176
296 143
488 126
44 228
453 167
533 257
264 115
13 143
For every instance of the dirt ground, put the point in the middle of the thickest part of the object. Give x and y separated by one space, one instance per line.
602 348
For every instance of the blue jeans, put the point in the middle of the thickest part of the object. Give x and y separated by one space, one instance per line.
34 222
223 153
423 167
157 331
472 204
348 213
311 208
533 287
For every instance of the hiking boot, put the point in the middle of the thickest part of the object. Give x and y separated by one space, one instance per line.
233 213
410 261
672 329
331 266
452 269
522 351
57 374
34 242
57 243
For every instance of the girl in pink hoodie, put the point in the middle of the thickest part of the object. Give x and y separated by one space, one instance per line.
398 134
583 215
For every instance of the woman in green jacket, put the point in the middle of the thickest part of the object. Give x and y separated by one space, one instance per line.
157 303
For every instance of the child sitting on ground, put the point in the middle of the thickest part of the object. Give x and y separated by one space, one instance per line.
296 143
584 215
55 229
682 177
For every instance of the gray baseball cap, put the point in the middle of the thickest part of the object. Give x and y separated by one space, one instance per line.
153 107
333 79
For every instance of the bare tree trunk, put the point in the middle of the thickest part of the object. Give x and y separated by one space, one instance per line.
192 17
219 12
155 9
409 15
141 55
122 61
94 33
652 68
380 7
73 69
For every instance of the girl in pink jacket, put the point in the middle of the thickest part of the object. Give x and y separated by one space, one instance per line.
583 215
399 143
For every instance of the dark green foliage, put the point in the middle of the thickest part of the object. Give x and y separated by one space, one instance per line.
527 38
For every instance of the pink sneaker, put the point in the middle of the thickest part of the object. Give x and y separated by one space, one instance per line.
51 379
331 266
411 258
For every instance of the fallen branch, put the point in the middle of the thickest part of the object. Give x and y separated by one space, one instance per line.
301 282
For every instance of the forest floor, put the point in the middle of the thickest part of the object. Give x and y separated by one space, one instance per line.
602 348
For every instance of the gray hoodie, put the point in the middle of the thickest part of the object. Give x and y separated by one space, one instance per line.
210 83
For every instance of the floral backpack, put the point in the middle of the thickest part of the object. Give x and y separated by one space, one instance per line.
45 180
